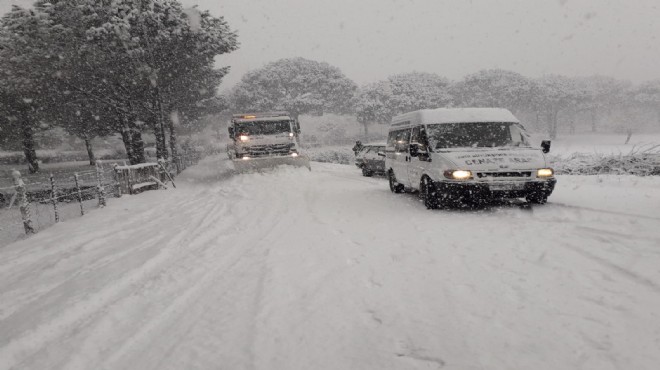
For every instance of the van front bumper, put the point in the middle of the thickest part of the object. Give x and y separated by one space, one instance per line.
454 190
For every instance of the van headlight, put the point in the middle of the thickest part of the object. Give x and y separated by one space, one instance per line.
544 173
458 174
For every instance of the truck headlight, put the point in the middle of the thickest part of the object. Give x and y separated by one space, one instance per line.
458 174
544 172
244 138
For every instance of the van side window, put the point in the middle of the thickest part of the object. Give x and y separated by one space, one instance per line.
418 136
391 139
402 141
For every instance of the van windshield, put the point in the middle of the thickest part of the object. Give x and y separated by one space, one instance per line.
476 135
262 127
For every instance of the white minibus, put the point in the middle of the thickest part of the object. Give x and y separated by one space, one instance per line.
466 155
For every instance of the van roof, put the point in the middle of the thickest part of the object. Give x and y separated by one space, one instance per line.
453 115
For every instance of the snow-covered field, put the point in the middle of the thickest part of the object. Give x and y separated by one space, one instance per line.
326 269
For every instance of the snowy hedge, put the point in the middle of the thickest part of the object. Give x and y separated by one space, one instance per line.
640 161
340 155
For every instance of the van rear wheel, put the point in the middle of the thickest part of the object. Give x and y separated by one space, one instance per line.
429 193
395 187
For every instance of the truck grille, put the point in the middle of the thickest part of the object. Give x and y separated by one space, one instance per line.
484 175
268 150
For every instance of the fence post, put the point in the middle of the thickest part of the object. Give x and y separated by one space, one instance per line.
117 183
82 210
53 197
100 190
167 173
23 203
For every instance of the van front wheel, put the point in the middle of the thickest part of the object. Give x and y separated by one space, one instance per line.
429 193
394 186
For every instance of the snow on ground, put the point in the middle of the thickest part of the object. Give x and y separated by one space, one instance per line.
293 269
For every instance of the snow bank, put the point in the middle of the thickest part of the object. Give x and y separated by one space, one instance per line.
642 162
334 154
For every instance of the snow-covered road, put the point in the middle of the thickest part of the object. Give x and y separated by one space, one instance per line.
328 270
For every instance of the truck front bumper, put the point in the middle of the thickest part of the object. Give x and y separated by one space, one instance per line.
264 162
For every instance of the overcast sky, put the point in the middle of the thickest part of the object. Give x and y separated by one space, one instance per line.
372 39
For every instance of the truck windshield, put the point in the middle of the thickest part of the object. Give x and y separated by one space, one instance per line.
262 127
476 135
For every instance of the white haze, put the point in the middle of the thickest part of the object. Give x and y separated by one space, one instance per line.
371 39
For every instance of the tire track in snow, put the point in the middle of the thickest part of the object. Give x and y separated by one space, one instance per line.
569 206
208 290
620 270
107 257
80 311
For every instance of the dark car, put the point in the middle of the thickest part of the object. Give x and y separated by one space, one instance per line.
371 159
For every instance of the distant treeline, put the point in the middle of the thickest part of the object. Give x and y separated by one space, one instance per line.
549 103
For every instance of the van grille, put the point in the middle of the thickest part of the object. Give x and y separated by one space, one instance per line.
268 150
483 175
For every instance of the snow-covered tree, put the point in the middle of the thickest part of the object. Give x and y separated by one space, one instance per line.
380 101
144 61
557 95
296 85
23 76
647 96
602 94
495 88
84 118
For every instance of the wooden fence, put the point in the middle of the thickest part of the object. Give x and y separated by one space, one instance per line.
45 200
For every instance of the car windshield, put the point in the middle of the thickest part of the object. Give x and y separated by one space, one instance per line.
263 127
476 135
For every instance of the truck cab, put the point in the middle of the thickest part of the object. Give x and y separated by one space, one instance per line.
264 138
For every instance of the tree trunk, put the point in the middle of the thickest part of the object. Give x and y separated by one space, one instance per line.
137 145
175 153
27 132
161 148
548 122
90 152
159 127
594 118
128 141
366 130
629 133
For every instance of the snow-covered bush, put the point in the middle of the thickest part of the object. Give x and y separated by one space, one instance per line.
339 155
640 161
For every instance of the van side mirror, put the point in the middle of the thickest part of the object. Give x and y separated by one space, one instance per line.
545 146
231 132
413 148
